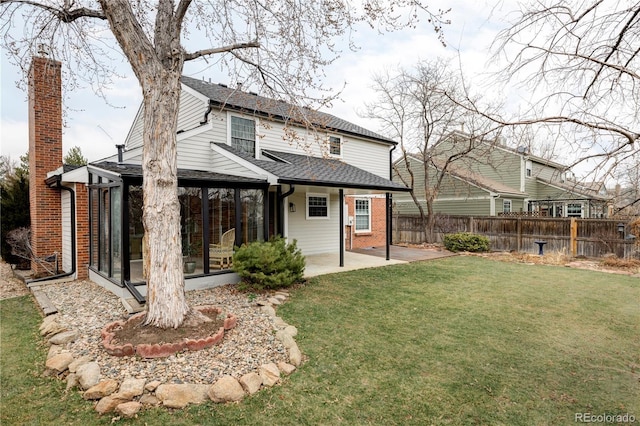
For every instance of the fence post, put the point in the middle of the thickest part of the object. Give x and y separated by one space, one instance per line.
471 224
574 237
519 233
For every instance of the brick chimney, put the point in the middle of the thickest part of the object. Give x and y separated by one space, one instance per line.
45 155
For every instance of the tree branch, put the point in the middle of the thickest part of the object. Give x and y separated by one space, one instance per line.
64 14
222 49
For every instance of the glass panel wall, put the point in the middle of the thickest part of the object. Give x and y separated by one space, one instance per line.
191 229
252 215
105 252
136 233
116 232
222 227
94 196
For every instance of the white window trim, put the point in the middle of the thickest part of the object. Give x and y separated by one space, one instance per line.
329 145
325 196
504 202
355 216
255 122
528 167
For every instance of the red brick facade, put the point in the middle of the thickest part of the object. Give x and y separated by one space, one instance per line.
45 155
377 237
82 231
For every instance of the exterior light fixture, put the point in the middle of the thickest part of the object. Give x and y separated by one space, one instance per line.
292 207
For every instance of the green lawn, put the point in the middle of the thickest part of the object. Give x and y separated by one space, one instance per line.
462 340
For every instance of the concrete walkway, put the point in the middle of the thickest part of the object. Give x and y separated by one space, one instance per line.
328 263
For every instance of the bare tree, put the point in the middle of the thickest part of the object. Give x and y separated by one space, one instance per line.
415 107
578 62
280 45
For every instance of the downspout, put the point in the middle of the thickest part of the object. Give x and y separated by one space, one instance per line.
206 114
73 238
388 208
281 209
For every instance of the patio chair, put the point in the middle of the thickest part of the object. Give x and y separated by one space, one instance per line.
221 255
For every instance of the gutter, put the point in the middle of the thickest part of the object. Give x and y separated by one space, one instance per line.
72 194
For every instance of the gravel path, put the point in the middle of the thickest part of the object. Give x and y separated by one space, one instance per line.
10 286
86 307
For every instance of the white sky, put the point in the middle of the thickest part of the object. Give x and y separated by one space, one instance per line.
97 127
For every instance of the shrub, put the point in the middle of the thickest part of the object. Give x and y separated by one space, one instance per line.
269 265
465 241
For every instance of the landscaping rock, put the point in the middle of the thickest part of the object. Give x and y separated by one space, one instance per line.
268 310
285 338
130 388
281 297
51 328
180 395
54 350
73 367
227 389
108 404
60 362
128 409
295 356
64 337
72 381
148 399
279 322
291 331
251 382
274 301
269 374
102 389
88 375
151 386
286 368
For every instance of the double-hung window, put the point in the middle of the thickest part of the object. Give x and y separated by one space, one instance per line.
506 206
317 206
363 214
243 135
335 146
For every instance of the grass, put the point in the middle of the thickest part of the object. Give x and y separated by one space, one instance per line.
462 340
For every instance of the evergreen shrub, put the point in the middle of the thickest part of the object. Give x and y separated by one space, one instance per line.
466 241
269 265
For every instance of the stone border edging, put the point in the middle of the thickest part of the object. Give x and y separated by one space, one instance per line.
129 396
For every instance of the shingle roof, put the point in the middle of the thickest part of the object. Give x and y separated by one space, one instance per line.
135 171
316 171
259 105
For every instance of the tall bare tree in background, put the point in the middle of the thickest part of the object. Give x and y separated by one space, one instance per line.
281 45
579 62
417 107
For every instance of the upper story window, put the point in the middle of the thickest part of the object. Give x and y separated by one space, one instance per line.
335 145
243 134
529 167
317 206
506 206
363 215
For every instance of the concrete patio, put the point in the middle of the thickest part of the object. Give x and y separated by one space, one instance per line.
320 264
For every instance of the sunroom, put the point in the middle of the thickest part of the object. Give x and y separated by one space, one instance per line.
217 212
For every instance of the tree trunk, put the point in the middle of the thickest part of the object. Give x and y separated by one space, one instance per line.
166 302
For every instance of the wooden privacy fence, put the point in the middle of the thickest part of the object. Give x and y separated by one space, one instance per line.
577 237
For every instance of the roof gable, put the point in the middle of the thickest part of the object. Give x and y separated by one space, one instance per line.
226 97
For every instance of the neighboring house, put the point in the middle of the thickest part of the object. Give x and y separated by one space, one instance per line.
493 179
247 170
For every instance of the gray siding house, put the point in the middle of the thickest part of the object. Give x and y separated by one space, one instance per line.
493 179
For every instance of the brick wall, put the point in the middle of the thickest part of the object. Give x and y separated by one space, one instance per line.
82 231
377 237
45 155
